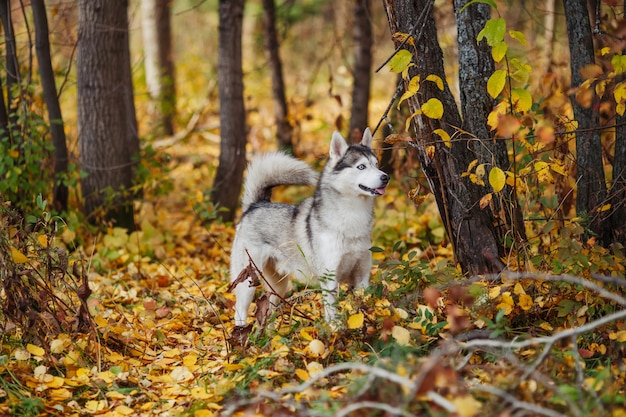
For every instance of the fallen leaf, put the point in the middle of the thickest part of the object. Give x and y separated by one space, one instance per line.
355 321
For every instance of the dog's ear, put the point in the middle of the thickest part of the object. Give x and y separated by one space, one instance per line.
367 138
338 146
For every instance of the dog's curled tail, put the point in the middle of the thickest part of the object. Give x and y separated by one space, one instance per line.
272 169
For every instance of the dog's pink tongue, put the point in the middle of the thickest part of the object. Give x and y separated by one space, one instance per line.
380 191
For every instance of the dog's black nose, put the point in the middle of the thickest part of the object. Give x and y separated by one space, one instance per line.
384 178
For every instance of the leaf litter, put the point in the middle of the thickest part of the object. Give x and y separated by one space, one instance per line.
144 328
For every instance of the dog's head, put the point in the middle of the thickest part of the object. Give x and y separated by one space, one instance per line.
355 167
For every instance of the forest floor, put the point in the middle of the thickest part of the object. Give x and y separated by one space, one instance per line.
157 339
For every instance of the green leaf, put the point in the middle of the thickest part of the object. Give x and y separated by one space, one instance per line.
433 108
522 100
496 83
499 51
497 179
518 36
619 63
494 31
400 61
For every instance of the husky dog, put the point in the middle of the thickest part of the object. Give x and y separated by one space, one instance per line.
326 238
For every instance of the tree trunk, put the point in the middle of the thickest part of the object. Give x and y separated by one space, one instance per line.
591 186
12 67
158 64
108 139
363 39
284 129
617 192
470 229
4 114
57 131
229 176
476 65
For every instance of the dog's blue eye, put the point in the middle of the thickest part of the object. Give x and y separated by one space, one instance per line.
361 167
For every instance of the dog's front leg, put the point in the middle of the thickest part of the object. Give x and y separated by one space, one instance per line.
244 294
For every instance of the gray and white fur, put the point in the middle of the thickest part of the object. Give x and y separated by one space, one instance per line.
324 239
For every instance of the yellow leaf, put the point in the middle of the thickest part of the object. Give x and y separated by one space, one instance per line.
499 51
203 413
200 393
124 410
35 350
433 108
497 179
190 360
493 120
444 136
68 235
43 240
408 120
518 36
355 321
485 200
546 326
620 336
411 90
496 83
18 257
619 93
430 151
543 172
96 405
494 292
55 382
402 335
305 333
605 207
522 100
437 80
525 302
466 405
400 61
518 289
302 375
59 394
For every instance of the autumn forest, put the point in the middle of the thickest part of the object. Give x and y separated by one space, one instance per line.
497 284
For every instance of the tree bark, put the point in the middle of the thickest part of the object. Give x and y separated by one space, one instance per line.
12 67
591 187
4 114
363 40
108 141
57 131
229 176
476 65
470 229
284 128
158 64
